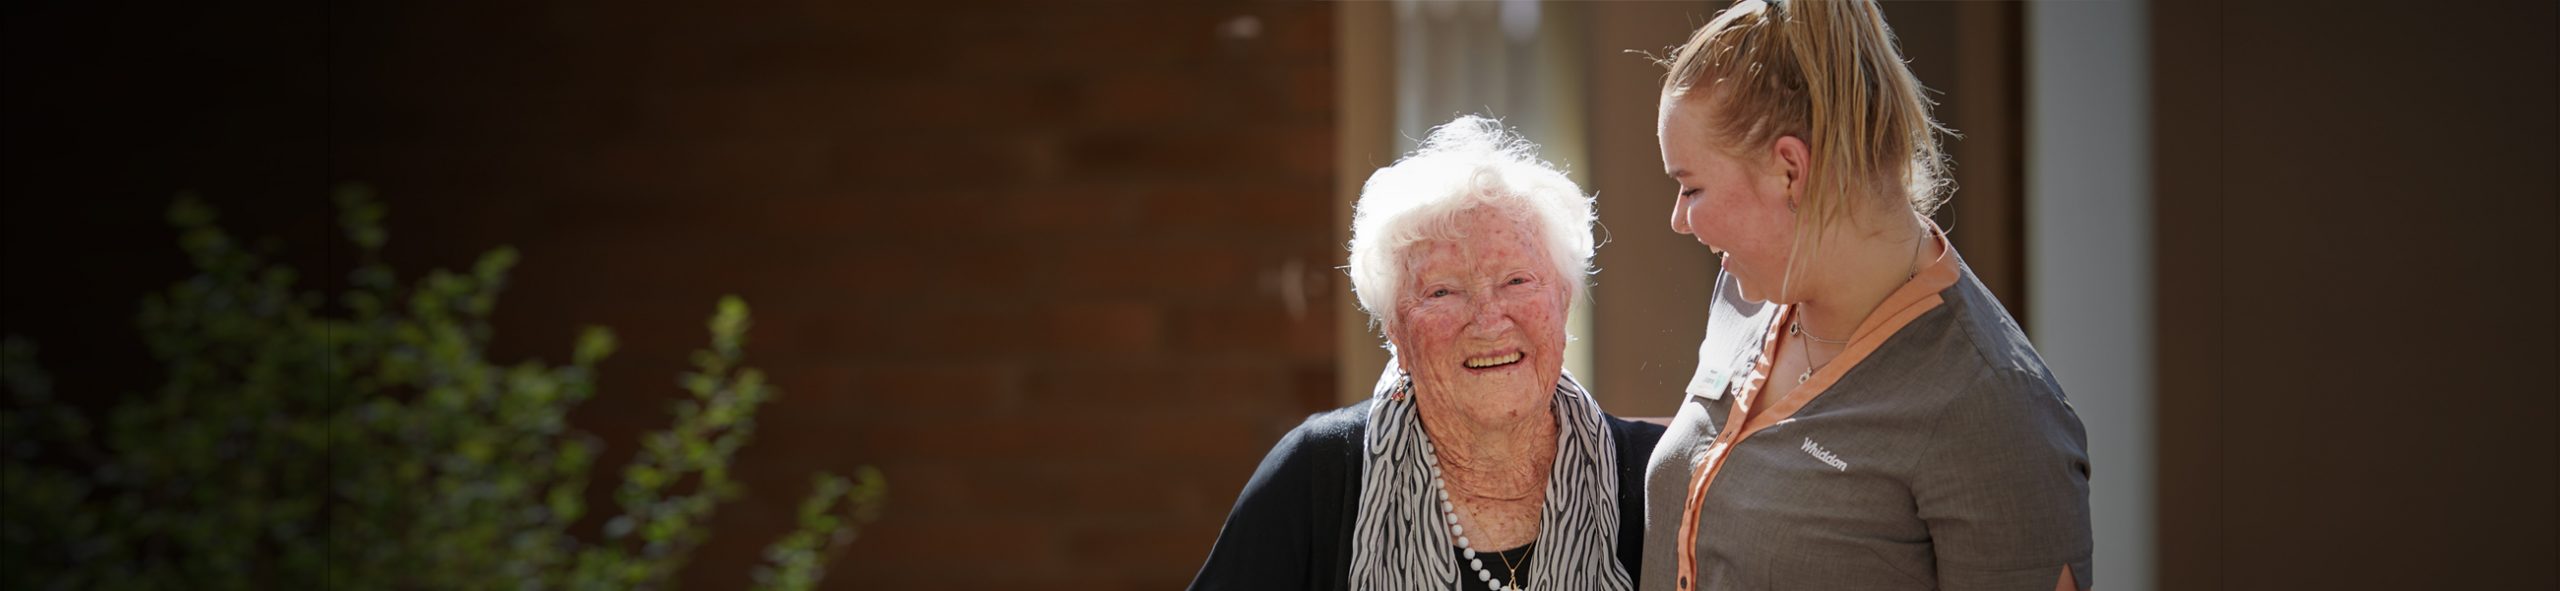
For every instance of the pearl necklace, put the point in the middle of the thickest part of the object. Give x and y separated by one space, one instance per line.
1449 514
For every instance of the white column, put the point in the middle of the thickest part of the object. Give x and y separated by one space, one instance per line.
2089 287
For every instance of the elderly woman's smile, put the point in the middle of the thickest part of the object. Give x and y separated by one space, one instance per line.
1475 450
1481 316
1493 361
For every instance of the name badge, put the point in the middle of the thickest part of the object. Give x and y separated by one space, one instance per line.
1709 383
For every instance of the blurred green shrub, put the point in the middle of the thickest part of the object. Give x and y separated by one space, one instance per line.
371 445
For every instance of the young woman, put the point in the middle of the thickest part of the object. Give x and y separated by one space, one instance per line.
1865 414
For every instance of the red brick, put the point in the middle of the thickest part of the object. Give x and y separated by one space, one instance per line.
1154 387
1249 388
1310 91
1241 154
1142 546
1143 267
819 392
925 331
872 221
668 165
1044 439
1148 98
768 110
877 279
1313 387
1148 491
926 161
943 106
1068 208
957 545
1233 207
1102 328
1260 326
1033 275
1052 38
935 491
1301 33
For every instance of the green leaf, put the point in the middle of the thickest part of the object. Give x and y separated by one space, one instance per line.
297 445
361 217
594 344
729 326
188 211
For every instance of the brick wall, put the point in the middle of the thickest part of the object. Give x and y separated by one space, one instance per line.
1027 258
1034 260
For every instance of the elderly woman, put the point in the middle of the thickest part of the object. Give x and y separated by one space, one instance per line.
1478 463
1865 415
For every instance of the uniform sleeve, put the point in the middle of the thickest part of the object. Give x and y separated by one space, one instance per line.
2004 487
1266 543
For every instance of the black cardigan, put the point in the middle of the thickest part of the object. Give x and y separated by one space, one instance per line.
1291 527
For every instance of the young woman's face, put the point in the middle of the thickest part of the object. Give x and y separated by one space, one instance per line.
1735 206
1480 321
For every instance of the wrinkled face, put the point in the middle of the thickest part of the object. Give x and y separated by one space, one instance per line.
1735 206
1480 320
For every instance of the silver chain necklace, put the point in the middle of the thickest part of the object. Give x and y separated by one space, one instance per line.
1795 320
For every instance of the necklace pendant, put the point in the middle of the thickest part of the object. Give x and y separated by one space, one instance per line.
1807 375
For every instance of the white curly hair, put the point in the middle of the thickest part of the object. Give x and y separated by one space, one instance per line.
1467 163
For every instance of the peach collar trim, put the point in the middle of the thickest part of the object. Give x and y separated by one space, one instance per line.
1916 296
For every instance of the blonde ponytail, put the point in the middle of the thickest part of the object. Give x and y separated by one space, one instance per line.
1825 71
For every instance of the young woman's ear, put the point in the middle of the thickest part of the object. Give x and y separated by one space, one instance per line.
1793 158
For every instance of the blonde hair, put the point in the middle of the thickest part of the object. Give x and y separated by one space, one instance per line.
1471 162
1825 71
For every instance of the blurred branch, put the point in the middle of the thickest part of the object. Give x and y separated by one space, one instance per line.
372 445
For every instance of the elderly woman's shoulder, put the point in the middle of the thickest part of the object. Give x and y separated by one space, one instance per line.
1634 434
1321 455
1326 442
1332 430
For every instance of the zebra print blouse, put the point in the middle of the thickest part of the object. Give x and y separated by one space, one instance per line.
1293 526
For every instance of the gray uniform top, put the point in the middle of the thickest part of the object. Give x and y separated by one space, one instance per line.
1947 458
